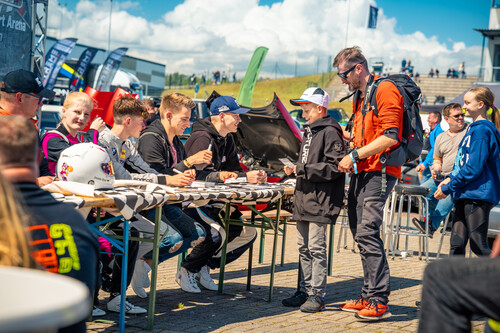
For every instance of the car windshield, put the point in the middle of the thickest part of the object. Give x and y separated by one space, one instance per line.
49 120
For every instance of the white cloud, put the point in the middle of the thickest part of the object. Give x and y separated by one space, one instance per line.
200 35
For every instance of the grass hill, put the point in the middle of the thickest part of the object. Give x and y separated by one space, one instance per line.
263 93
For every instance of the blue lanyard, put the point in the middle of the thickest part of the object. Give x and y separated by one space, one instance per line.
355 165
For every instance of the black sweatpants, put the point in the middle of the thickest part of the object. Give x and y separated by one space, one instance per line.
470 221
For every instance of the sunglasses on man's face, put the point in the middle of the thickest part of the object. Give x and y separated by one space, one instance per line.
40 98
460 115
343 75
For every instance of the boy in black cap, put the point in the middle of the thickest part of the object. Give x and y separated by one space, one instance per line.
318 196
22 94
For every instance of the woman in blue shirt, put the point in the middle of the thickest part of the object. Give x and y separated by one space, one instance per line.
474 183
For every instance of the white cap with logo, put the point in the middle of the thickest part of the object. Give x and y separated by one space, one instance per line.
313 95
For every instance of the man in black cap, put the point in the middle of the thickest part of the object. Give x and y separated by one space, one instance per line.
22 94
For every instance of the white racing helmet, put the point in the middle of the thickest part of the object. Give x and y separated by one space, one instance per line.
86 163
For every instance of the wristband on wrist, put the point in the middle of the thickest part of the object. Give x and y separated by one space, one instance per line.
187 163
355 165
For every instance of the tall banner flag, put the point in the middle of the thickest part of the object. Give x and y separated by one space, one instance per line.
248 84
109 69
15 35
54 59
81 68
372 20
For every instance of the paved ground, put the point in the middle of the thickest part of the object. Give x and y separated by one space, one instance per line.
239 310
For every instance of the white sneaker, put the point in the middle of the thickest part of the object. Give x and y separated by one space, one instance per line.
186 280
96 312
205 279
114 305
140 278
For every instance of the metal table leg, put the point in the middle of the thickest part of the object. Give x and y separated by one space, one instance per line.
154 269
224 248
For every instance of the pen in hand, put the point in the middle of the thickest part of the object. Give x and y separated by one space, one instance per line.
210 145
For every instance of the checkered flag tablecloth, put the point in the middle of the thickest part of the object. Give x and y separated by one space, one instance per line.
132 200
132 197
235 193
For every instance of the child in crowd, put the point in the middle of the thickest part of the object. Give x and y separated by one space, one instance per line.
318 196
75 117
474 183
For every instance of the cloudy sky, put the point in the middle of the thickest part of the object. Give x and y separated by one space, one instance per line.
195 36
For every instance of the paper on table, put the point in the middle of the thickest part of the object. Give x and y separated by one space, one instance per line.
200 183
235 180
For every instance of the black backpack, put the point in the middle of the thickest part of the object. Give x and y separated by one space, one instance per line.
411 145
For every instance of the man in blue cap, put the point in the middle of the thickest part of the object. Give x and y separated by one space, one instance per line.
215 133
216 130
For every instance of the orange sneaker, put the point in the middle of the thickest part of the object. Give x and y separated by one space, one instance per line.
373 311
354 305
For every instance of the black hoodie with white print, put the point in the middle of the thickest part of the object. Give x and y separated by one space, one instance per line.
319 192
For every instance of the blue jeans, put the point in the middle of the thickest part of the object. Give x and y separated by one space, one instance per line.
186 230
426 175
438 209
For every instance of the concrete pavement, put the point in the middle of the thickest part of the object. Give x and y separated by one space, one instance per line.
239 310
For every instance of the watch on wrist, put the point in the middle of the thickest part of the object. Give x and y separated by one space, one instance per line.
355 155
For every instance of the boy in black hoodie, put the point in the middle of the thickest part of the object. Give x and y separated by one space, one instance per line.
318 196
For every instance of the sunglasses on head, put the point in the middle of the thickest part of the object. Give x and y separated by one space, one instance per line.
344 74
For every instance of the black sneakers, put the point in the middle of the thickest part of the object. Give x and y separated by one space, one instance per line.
296 300
421 226
313 304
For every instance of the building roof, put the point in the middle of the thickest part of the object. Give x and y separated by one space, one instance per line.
490 33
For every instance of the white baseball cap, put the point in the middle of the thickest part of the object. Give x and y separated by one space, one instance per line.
313 95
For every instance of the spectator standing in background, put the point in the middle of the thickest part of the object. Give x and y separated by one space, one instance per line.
434 121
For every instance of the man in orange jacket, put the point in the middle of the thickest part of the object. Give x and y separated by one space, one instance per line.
371 135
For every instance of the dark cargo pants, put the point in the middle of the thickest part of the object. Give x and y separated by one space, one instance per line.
365 211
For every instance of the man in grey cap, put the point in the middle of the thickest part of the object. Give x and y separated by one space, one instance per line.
22 94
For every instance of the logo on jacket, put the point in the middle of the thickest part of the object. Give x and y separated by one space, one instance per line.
306 145
338 147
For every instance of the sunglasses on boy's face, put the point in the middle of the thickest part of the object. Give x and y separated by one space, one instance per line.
343 75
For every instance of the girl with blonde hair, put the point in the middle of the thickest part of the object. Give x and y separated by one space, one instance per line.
474 183
75 117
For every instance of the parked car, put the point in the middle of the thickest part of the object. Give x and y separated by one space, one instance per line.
199 111
336 113
49 117
494 225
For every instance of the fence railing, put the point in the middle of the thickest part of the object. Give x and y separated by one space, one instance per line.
489 74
